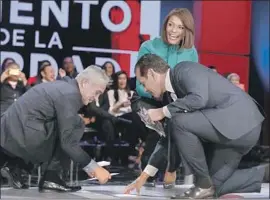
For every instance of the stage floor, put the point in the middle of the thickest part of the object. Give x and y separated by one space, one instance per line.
111 192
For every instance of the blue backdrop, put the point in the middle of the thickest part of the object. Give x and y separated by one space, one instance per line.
260 39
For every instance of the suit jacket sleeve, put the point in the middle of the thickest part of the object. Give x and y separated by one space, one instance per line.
195 86
71 127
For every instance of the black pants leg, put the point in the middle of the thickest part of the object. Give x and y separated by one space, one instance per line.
135 130
13 161
152 139
51 169
108 134
3 158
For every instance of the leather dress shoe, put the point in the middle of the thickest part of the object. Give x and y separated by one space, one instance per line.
14 177
196 193
48 186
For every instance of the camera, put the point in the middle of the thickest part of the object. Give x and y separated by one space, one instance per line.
14 72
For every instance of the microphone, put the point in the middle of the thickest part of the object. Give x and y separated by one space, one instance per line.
124 120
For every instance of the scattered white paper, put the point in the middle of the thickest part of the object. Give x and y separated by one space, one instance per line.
127 195
92 179
103 163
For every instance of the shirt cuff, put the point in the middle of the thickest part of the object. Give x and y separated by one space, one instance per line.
166 112
91 167
150 170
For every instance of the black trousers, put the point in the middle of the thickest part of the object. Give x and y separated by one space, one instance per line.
160 156
219 161
11 160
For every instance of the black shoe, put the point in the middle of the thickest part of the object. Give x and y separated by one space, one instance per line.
57 187
14 177
52 182
49 186
196 193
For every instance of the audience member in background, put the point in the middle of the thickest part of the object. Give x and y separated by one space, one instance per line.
175 45
68 68
6 62
213 68
13 85
46 73
32 80
110 71
235 79
120 106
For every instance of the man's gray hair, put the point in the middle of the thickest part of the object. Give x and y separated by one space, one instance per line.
93 74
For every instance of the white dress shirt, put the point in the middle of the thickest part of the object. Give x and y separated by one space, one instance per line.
123 96
169 88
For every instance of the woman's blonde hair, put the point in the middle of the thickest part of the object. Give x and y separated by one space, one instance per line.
186 17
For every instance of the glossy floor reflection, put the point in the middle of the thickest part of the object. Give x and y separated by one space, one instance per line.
112 190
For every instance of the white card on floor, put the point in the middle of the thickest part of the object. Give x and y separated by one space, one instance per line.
92 179
103 163
127 195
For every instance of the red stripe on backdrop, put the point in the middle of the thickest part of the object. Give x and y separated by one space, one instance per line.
224 26
128 39
228 64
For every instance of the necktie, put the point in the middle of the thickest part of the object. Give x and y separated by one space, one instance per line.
167 99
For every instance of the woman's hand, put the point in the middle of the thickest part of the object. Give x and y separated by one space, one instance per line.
62 73
4 76
22 77
126 103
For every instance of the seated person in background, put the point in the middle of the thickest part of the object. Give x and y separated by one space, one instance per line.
32 80
46 73
13 85
110 71
235 79
68 69
120 106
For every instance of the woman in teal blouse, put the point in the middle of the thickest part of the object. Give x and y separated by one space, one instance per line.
176 43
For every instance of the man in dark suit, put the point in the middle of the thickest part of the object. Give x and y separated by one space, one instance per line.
46 117
205 109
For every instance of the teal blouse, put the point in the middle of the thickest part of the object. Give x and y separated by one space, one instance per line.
170 53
